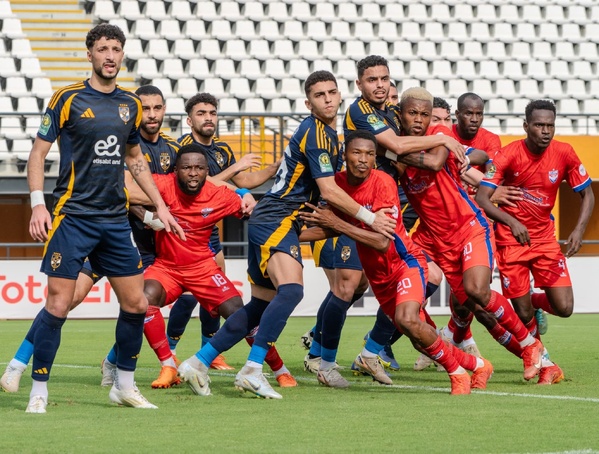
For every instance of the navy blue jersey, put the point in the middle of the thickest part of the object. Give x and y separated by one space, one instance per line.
220 155
93 130
161 157
313 152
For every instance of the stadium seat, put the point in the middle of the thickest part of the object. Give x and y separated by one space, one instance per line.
418 13
322 64
235 50
456 87
354 49
224 68
290 87
275 68
520 51
472 50
245 30
486 12
419 69
169 29
209 49
301 11
230 11
505 88
277 11
207 11
195 30
293 30
518 107
576 88
529 88
492 124
552 89
481 32
462 12
509 13
525 32
588 51
496 106
590 107
221 30
332 49
8 67
11 28
496 50
348 11
559 69
442 68
505 32
144 29
165 85
228 106
11 128
180 10
283 49
404 84
427 50
250 68
253 105
214 86
483 88
549 32
159 49
147 68
183 49
403 49
156 10
198 67
410 31
32 125
266 88
316 30
269 30
396 69
555 14
41 87
436 87
279 105
254 11
259 49
325 12
298 68
457 32
104 9
129 9
532 13
239 87
308 49
583 70
175 106
568 106
488 69
537 70
512 126
16 87
378 48
512 69
21 48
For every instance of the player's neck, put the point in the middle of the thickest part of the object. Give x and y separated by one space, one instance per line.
102 85
464 135
149 137
533 148
207 141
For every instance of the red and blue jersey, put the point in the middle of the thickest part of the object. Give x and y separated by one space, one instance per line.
538 176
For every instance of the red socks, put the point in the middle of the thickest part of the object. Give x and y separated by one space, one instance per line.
540 301
442 353
506 339
154 330
506 316
532 328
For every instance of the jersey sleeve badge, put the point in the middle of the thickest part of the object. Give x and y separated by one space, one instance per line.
491 171
45 124
325 163
581 170
375 122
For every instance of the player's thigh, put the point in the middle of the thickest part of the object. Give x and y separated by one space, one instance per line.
168 278
549 267
116 255
129 292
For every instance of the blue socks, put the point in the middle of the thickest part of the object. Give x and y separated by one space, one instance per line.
317 330
332 324
129 337
178 319
382 330
45 344
235 328
275 318
210 325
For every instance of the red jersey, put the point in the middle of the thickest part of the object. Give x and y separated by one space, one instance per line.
447 215
196 214
539 177
380 191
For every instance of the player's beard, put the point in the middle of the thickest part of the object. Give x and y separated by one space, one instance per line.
151 130
186 190
99 72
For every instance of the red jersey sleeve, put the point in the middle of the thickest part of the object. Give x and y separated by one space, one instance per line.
576 175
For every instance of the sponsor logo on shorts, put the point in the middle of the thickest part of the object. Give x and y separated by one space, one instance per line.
124 113
294 251
553 174
345 253
55 260
562 265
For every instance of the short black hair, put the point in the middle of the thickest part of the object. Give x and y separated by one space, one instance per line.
441 104
468 95
107 31
539 104
370 62
146 90
205 98
360 134
393 84
190 148
318 76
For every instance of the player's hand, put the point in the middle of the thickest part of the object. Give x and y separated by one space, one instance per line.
170 225
247 204
248 161
40 223
321 216
574 243
383 224
506 195
152 221
520 233
456 148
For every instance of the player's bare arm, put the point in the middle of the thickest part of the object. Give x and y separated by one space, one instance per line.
431 160
483 198
246 162
586 209
250 180
337 197
478 157
402 145
40 221
506 195
137 165
327 220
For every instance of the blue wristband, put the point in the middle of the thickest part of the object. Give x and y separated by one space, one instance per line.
242 191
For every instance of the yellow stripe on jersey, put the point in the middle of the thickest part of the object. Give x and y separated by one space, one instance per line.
365 107
66 110
299 167
139 108
187 140
58 94
349 122
274 239
68 193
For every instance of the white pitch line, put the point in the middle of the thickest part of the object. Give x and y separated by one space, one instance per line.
369 384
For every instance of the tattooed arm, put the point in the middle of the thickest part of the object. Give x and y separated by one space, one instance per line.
139 170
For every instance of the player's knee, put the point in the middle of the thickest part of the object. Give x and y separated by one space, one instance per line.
478 291
230 306
565 308
291 292
154 292
435 275
484 318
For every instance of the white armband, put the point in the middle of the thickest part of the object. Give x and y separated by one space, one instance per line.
154 224
390 155
365 216
37 198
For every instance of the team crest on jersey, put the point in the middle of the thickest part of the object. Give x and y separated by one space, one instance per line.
220 159
205 212
581 170
294 251
325 163
55 260
124 113
345 253
553 174
375 122
165 161
506 282
491 171
45 125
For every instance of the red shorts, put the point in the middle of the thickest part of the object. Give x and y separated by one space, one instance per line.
205 280
545 260
478 250
409 285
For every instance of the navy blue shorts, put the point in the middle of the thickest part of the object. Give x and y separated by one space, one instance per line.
266 239
339 252
322 252
108 245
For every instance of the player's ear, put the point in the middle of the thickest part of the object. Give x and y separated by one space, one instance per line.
308 105
525 127
189 122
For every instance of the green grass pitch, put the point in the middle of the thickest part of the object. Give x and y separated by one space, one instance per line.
417 414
